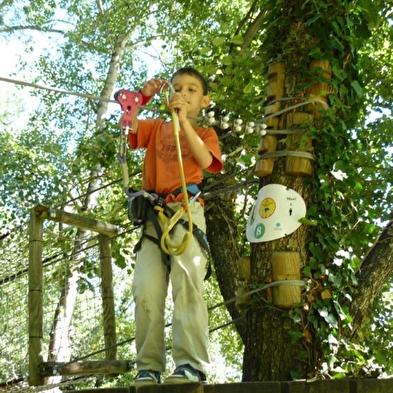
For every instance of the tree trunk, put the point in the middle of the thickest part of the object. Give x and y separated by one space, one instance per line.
222 236
277 346
280 345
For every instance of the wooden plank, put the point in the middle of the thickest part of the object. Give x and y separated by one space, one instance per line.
105 390
372 385
319 386
78 221
245 387
168 388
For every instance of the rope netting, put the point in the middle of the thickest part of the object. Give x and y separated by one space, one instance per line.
72 302
13 299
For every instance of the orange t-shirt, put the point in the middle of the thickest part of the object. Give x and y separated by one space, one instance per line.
161 168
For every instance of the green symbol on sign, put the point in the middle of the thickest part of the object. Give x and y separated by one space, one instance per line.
259 231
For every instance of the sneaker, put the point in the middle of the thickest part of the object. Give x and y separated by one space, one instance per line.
186 374
147 377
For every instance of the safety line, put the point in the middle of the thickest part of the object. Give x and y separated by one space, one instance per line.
57 90
81 95
306 100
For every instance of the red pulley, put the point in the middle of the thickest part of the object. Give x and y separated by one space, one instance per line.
129 101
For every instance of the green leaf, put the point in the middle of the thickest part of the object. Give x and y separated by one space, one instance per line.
306 221
237 39
357 88
339 72
219 41
248 88
227 60
331 320
205 50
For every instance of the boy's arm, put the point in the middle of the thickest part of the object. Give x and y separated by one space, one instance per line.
148 90
196 145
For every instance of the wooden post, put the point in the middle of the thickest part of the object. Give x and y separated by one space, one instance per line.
108 304
35 300
286 266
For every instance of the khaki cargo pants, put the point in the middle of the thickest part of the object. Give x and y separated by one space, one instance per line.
190 333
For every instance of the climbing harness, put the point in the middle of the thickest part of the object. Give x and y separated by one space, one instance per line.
143 205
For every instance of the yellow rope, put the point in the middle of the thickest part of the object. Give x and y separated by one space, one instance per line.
167 245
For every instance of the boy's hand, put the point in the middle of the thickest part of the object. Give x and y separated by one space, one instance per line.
181 105
152 87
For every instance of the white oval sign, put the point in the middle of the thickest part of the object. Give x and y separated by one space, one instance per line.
275 214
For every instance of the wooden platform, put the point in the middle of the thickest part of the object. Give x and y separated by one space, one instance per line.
331 386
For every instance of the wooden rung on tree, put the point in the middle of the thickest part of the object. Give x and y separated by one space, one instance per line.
244 278
275 86
320 89
298 166
285 267
275 90
264 166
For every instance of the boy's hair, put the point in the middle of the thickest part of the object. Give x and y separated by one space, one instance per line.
193 72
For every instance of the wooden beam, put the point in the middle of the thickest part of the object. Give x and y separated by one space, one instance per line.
85 367
76 220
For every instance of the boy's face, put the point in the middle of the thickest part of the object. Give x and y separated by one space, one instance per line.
190 87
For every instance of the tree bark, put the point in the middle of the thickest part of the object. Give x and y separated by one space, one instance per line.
374 273
222 236
275 346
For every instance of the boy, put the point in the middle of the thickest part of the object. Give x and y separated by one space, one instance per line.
200 151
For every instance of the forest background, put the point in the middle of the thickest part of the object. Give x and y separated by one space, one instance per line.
59 150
